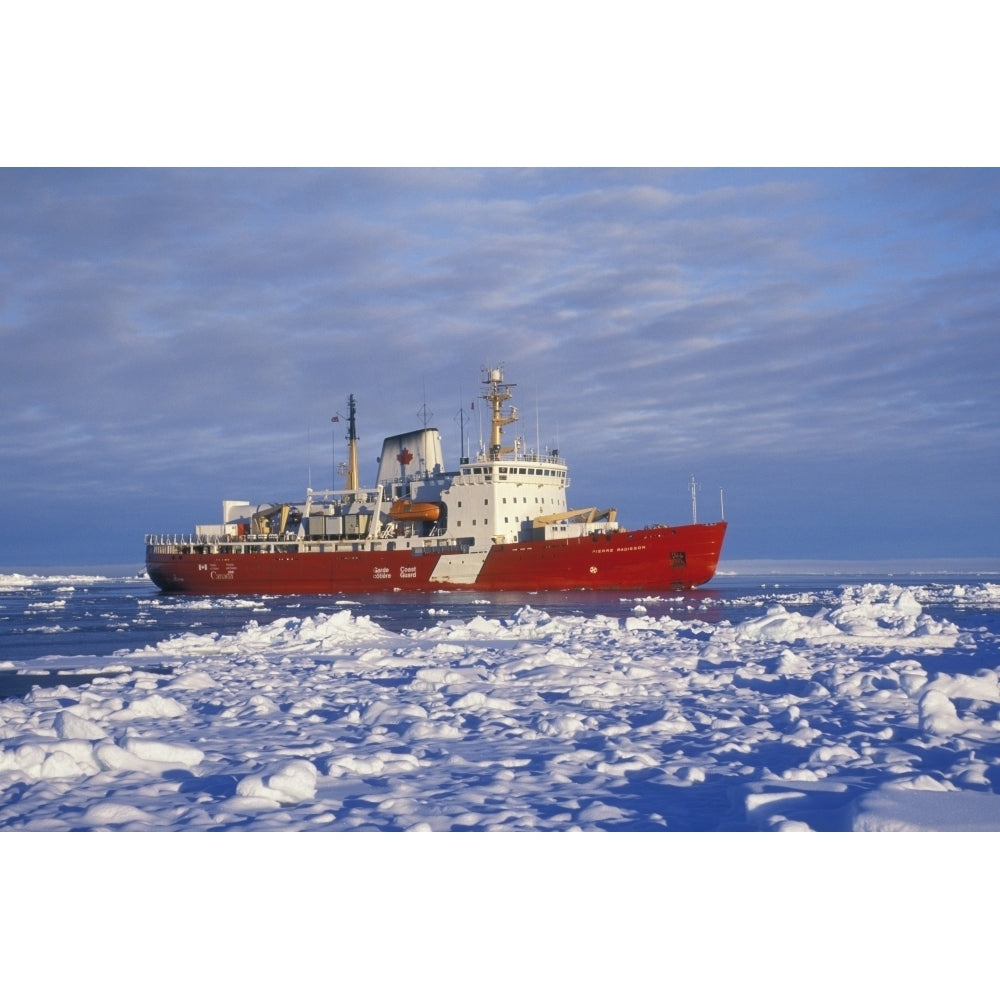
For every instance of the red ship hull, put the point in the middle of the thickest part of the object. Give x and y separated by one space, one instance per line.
652 559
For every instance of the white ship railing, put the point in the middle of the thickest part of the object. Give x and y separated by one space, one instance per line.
182 539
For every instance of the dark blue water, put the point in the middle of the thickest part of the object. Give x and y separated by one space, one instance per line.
52 616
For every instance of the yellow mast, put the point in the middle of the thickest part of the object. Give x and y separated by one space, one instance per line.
496 395
351 481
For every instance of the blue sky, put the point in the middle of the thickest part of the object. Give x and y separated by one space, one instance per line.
820 343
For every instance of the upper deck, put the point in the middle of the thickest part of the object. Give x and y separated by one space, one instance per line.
529 468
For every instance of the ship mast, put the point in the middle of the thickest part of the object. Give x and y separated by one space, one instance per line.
497 394
351 481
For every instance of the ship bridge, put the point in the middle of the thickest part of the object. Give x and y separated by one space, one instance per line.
498 500
518 469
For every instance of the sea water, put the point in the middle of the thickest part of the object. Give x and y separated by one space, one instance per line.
55 615
765 701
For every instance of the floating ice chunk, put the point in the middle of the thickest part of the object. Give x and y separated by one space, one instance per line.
307 705
837 753
866 616
479 699
801 734
600 812
627 764
82 751
171 753
920 783
66 758
938 715
780 625
792 665
983 686
262 705
349 764
114 814
974 775
432 731
28 758
670 724
287 784
906 605
381 713
153 707
112 757
531 616
435 676
69 726
196 680
567 724
799 774
781 825
692 773
60 764
761 805
912 676
381 762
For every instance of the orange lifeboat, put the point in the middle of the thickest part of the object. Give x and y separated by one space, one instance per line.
408 510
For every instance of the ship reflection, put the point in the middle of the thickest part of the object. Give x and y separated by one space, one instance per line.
704 604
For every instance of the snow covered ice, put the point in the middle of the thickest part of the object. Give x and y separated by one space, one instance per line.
838 717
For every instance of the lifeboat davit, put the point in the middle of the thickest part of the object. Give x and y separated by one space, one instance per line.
408 510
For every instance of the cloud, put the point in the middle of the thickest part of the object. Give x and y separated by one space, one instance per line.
172 335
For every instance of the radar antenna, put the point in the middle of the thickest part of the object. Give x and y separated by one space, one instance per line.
497 393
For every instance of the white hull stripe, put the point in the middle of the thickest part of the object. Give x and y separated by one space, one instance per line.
458 568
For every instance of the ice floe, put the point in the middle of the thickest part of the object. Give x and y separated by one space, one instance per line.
535 721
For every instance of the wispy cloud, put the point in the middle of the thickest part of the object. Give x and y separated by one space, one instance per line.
175 335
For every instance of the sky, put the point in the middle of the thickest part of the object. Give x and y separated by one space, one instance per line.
741 264
818 344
